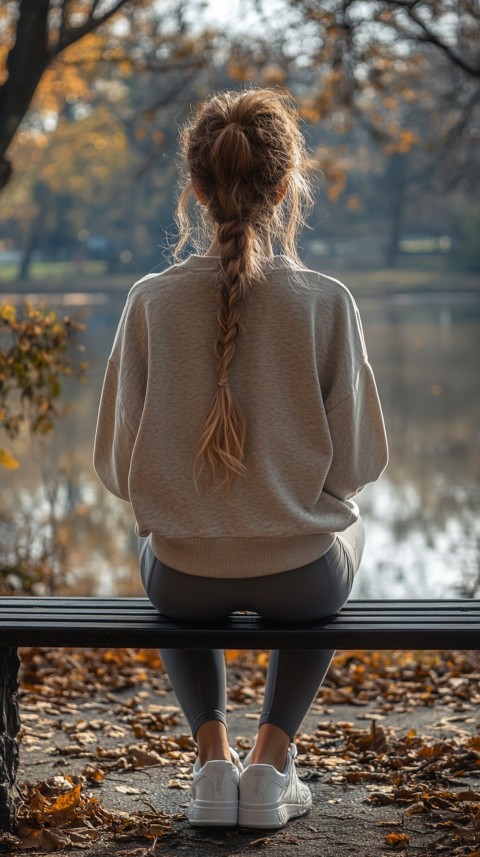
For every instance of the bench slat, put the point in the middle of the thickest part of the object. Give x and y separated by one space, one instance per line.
136 602
83 621
134 622
148 609
416 638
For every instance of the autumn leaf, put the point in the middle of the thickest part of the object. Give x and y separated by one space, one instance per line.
64 804
143 758
397 839
43 838
7 460
93 774
8 312
232 654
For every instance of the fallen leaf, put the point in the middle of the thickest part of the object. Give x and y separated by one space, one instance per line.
128 790
396 839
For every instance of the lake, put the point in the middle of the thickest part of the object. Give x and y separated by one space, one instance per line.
422 517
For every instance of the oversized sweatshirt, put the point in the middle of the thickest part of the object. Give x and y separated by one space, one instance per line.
315 434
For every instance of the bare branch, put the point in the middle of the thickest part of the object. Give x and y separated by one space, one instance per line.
64 19
429 37
73 34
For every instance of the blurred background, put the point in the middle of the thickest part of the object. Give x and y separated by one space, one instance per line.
92 96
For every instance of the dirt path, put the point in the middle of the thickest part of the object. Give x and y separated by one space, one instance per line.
130 750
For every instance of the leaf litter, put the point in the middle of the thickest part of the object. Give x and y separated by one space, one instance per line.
59 813
420 776
417 774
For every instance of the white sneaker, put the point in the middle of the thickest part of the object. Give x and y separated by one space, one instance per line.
268 798
214 793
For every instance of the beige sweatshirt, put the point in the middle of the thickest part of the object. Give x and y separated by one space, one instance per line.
315 432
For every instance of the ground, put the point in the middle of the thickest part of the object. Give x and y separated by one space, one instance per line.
390 749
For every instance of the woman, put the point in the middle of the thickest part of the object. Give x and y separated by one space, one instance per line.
246 368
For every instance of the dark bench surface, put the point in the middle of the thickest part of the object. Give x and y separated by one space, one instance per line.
133 622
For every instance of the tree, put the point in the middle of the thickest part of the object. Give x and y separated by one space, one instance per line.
406 71
97 120
34 356
46 36
376 60
41 30
65 174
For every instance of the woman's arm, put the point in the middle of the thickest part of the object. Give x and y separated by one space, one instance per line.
122 400
114 439
360 452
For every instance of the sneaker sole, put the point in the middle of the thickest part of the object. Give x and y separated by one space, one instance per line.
209 814
270 817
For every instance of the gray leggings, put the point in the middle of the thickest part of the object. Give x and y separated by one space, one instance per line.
313 591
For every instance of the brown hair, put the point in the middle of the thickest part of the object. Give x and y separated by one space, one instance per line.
245 156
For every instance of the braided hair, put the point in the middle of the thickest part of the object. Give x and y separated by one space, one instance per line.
245 159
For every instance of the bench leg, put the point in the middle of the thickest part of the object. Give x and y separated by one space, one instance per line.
9 726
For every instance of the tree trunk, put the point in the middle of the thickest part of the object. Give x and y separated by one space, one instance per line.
24 267
41 198
26 63
9 726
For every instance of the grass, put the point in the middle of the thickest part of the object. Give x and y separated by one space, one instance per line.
44 270
93 275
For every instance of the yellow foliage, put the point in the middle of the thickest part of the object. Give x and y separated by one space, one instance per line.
8 312
309 111
7 27
402 142
71 77
3 62
273 75
334 192
7 460
354 202
241 70
77 157
407 140
390 103
62 536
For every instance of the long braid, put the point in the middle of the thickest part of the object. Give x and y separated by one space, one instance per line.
245 154
223 437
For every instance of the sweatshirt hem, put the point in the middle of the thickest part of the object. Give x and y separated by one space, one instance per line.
232 556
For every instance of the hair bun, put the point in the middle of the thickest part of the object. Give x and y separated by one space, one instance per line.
232 154
237 126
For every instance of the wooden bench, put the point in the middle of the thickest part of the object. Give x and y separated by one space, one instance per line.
133 622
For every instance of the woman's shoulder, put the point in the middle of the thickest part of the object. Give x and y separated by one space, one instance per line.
325 287
150 283
326 283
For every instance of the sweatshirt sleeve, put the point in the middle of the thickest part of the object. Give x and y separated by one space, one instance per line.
114 438
121 402
357 430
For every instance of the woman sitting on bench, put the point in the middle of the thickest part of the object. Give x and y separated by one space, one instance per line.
248 369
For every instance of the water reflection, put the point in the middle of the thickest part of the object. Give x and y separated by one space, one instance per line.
423 530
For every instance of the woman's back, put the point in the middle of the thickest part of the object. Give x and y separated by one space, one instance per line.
300 376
